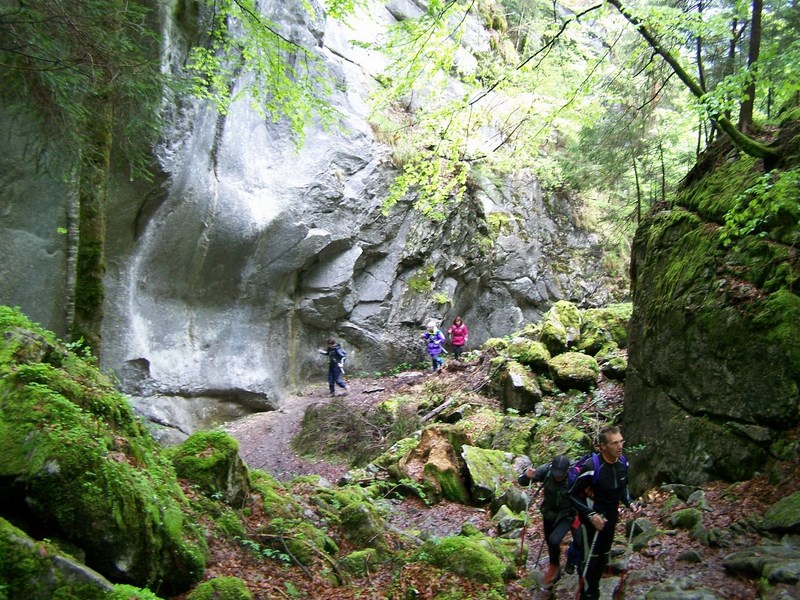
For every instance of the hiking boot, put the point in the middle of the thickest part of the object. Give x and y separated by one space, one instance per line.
346 390
553 571
569 568
332 394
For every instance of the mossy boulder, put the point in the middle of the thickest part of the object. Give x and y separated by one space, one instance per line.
784 515
561 327
360 563
516 386
38 570
602 327
210 460
714 329
221 588
435 462
490 472
515 435
80 465
529 352
615 366
687 518
476 558
574 370
361 523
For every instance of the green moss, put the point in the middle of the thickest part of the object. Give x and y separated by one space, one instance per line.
500 223
363 526
496 344
561 326
221 588
449 484
717 193
422 280
784 515
779 314
602 327
360 563
210 459
467 556
687 518
73 441
129 592
515 435
574 370
276 499
529 352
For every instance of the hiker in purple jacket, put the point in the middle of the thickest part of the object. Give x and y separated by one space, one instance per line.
435 340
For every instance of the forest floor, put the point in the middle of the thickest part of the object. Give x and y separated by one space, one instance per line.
265 443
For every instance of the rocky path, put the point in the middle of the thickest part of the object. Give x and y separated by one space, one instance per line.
265 439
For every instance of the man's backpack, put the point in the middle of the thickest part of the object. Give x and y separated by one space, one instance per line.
576 467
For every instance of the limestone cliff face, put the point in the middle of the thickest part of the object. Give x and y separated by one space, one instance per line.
713 383
225 277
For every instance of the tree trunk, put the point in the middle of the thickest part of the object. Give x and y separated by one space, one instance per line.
701 76
638 191
93 197
746 109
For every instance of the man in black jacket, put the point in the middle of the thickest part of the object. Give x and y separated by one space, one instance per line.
600 486
557 510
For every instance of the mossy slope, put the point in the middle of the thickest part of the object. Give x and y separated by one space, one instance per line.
76 464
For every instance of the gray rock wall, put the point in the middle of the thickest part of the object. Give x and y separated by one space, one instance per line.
226 275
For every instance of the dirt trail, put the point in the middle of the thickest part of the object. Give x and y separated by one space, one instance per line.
265 438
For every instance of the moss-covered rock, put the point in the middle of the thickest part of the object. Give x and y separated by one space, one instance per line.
574 370
561 327
468 556
435 462
603 327
221 588
361 523
490 472
38 570
360 563
73 454
529 352
515 435
687 518
714 329
210 460
784 515
516 386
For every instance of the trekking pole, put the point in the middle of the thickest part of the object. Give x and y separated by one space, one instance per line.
582 579
619 591
539 554
527 520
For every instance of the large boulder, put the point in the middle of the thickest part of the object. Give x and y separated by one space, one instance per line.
435 462
561 327
210 460
490 472
713 378
75 462
574 371
516 385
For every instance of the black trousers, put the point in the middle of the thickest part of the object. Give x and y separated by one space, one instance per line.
554 532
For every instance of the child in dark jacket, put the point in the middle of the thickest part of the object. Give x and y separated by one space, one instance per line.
557 509
336 358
